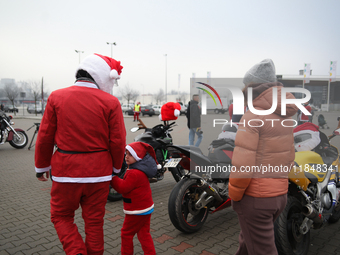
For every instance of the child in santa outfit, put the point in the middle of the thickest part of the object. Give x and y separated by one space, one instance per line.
138 204
86 123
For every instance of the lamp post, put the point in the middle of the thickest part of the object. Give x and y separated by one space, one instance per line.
166 70
79 51
114 43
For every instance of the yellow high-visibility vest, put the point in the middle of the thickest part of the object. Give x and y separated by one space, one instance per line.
137 108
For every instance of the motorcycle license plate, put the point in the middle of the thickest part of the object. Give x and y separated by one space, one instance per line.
173 162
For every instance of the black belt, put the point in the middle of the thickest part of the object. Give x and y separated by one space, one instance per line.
77 152
127 200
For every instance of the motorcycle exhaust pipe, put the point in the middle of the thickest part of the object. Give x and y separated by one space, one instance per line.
210 190
310 212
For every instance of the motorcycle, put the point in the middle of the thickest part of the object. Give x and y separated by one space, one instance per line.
159 138
313 196
16 137
201 190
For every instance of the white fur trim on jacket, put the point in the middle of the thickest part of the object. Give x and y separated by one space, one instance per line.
83 179
139 211
43 169
116 171
86 84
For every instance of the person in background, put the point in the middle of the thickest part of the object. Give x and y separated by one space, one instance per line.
259 198
230 111
194 121
137 196
86 124
136 111
305 118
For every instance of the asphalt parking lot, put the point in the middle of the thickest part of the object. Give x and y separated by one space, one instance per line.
25 226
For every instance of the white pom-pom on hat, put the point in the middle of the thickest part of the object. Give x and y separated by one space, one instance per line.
177 112
114 74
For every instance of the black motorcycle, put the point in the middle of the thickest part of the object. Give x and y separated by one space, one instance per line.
204 188
16 137
159 138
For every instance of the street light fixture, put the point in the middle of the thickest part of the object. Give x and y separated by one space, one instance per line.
79 51
114 43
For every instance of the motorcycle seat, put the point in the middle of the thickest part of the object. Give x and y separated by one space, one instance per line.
311 177
191 148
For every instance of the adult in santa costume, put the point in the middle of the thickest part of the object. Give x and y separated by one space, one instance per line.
86 124
305 118
136 112
137 196
194 121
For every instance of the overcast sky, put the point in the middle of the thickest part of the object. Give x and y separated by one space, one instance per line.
39 37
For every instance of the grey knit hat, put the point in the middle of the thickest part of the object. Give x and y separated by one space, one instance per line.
262 72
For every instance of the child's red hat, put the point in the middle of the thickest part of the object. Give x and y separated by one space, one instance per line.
138 151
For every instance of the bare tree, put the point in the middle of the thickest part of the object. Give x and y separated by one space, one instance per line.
129 94
159 96
182 97
12 92
36 93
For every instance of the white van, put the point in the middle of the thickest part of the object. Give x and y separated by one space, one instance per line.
126 107
157 109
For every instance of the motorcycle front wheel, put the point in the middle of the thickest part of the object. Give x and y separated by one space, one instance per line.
182 212
19 142
288 239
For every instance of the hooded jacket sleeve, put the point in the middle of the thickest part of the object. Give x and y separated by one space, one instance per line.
127 184
117 139
246 141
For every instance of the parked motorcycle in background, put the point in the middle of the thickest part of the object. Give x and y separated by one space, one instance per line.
313 196
16 137
202 190
159 138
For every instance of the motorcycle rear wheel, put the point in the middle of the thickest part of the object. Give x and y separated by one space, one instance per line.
182 212
21 142
288 239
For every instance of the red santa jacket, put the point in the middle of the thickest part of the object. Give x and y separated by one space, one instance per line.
81 118
136 191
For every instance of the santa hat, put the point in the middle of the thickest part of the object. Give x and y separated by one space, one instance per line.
138 151
104 70
306 137
170 111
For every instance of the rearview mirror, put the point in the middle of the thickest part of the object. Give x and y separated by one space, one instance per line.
336 132
134 129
